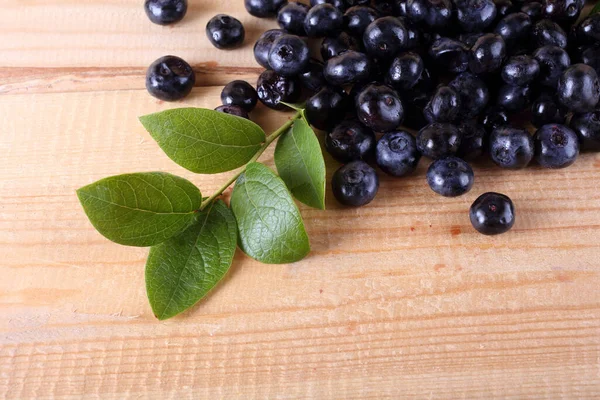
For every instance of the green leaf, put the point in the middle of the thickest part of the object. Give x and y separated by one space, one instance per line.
205 141
595 9
269 223
300 164
140 209
182 270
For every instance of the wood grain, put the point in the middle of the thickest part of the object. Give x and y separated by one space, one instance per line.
400 299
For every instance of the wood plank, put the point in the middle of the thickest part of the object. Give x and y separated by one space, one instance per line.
400 299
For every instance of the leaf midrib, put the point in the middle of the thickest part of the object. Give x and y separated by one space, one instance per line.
134 208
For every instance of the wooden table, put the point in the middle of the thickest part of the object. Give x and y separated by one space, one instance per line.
399 299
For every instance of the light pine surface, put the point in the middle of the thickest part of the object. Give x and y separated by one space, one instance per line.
399 299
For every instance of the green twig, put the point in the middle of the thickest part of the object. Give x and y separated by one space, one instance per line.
270 139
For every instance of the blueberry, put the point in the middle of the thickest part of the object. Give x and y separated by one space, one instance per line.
553 61
323 20
239 93
590 55
564 11
494 117
263 45
548 33
487 54
397 153
291 18
588 31
165 12
511 148
289 55
348 67
473 138
355 184
385 37
225 32
579 88
520 70
312 78
534 9
264 8
357 18
514 98
450 55
334 46
504 8
170 78
514 28
444 105
233 110
474 94
273 89
327 107
450 176
475 15
492 214
546 110
350 141
404 71
379 107
433 13
339 4
438 140
587 128
556 146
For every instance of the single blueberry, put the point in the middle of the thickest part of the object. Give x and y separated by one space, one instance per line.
357 18
263 46
450 176
475 15
264 8
492 214
556 146
350 141
546 110
385 37
444 105
291 18
397 153
474 94
553 61
349 67
579 88
289 55
165 12
239 93
563 11
520 70
548 33
225 32
170 78
379 107
323 20
312 78
438 140
272 89
405 71
487 54
355 184
327 107
587 128
511 148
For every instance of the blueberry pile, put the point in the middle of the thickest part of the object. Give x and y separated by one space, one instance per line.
468 76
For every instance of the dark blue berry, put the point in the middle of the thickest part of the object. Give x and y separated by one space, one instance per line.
553 61
444 105
520 70
492 214
225 32
397 153
433 13
385 37
264 8
379 107
548 33
513 98
546 110
272 89
474 94
556 146
487 54
357 18
450 55
334 46
588 31
263 45
165 12
563 11
350 141
289 55
511 148
312 78
587 128
533 9
327 107
438 140
450 176
355 184
339 4
590 55
170 78
239 93
323 20
233 110
494 117
473 140
348 67
504 8
291 18
579 88
405 71
514 29
475 15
